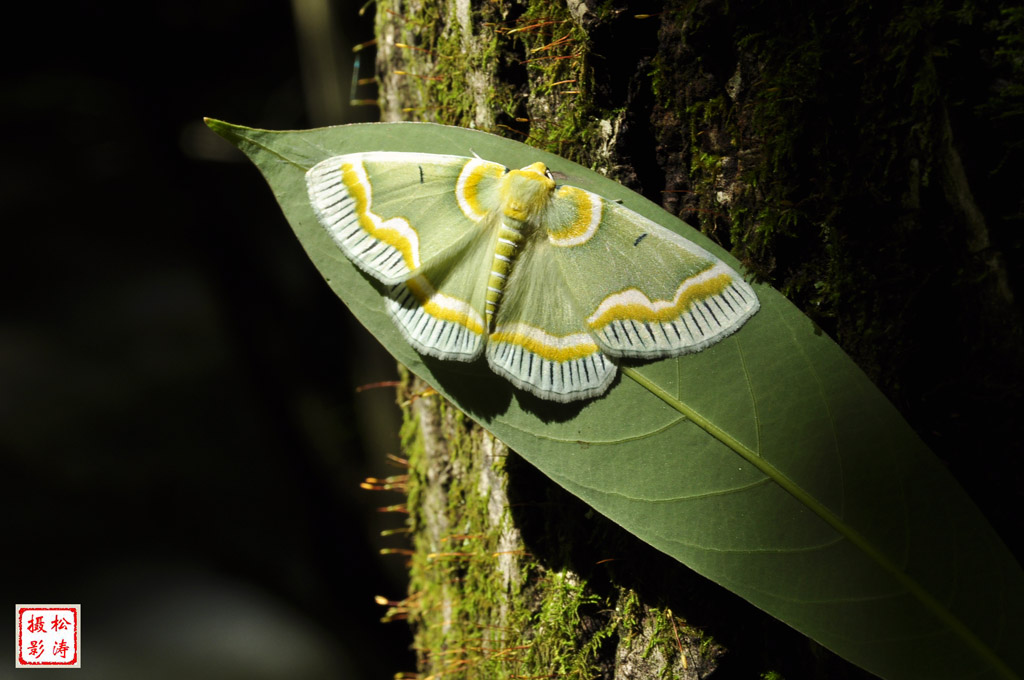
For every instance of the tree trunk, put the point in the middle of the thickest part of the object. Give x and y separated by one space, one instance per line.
821 144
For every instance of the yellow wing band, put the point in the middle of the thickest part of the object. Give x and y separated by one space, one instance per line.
559 368
545 345
444 307
633 304
584 223
467 187
434 323
395 232
706 308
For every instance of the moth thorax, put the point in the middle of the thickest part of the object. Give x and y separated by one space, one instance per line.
525 192
510 235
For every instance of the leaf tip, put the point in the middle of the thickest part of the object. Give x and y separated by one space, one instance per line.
220 127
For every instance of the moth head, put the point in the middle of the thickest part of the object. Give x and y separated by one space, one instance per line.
526 191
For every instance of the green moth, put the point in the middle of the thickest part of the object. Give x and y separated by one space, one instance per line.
552 283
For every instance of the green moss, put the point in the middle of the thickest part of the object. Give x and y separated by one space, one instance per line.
558 79
527 68
804 144
471 617
831 125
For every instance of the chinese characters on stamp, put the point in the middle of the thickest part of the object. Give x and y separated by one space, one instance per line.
48 635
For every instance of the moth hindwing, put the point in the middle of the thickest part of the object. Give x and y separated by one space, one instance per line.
553 284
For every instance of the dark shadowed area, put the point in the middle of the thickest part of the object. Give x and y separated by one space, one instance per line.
180 439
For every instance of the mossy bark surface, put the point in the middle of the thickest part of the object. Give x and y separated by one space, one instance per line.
863 160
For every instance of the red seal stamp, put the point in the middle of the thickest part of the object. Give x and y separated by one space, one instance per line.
49 635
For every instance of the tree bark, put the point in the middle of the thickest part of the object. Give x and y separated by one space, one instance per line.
821 144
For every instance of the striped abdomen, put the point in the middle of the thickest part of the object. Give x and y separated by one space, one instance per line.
509 237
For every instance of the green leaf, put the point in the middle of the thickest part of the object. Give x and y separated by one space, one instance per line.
768 462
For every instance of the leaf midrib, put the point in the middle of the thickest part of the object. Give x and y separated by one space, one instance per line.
229 130
861 542
911 586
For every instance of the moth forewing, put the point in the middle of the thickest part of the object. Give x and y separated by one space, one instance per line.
555 281
660 294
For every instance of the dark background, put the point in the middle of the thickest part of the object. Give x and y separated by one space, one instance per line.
180 440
